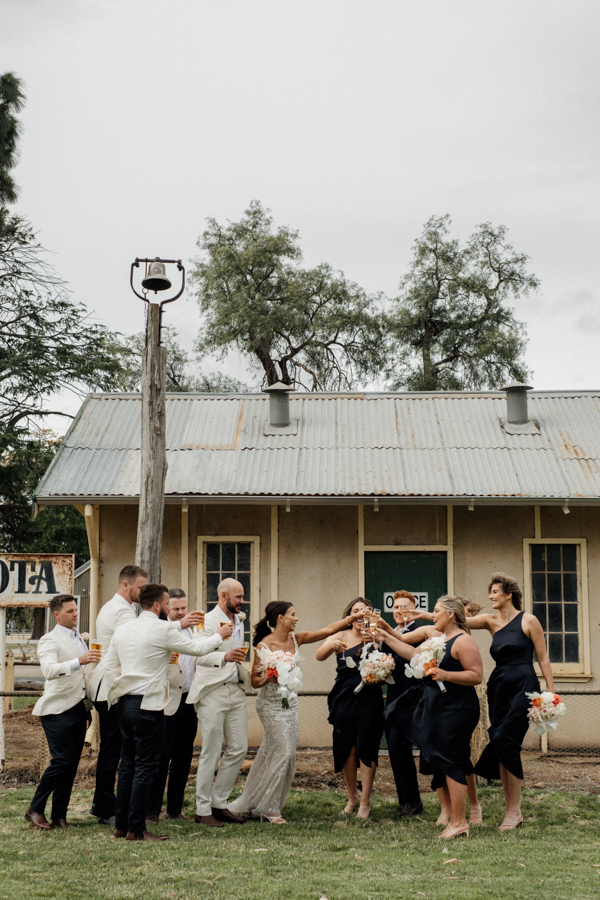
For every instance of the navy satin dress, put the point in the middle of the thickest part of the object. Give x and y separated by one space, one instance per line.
442 723
357 719
513 676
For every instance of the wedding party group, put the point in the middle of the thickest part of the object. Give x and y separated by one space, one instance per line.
155 672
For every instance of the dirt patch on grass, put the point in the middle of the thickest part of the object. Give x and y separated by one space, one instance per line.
27 756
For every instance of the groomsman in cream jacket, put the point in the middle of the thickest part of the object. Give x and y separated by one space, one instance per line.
63 657
136 677
218 694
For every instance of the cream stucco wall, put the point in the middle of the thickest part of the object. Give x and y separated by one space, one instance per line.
316 554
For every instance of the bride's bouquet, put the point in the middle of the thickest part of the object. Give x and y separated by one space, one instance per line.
545 709
426 659
374 667
282 666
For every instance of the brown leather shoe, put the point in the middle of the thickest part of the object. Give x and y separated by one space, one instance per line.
208 820
145 836
223 815
60 823
38 820
117 833
153 819
178 816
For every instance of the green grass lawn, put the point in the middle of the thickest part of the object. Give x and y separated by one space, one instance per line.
319 854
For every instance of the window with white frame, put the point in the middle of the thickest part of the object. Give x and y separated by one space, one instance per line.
230 557
555 592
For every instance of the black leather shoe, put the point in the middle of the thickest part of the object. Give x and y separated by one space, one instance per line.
408 809
223 815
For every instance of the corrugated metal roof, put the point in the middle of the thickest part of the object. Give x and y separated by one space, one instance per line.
385 445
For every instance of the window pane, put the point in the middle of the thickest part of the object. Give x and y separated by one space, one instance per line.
554 588
555 622
569 557
244 580
570 587
538 584
572 648
539 610
553 557
571 617
538 557
228 557
243 560
555 648
212 581
213 557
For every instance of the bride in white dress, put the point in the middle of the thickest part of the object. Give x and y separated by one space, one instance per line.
273 770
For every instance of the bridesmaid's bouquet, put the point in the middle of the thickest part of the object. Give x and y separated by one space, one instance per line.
427 659
545 709
282 666
374 667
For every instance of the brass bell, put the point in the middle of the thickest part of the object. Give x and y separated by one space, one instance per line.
156 279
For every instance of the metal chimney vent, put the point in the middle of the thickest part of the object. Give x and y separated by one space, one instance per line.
279 404
516 402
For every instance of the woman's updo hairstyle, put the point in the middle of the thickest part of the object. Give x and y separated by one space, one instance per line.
456 605
268 622
509 586
348 608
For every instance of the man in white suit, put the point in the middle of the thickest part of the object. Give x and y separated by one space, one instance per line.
218 694
181 724
136 676
120 608
63 657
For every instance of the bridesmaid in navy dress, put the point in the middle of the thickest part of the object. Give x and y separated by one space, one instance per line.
357 719
442 724
516 635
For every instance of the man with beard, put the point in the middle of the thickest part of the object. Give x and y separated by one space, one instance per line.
136 676
218 694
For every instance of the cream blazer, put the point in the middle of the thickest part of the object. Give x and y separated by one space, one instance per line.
212 670
114 613
62 689
139 654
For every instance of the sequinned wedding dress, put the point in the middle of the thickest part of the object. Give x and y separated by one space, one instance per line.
270 778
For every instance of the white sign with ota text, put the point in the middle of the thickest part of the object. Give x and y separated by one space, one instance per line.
421 598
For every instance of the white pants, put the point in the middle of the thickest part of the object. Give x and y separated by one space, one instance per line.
221 714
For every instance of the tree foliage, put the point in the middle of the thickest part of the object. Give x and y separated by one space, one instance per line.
310 327
453 324
11 102
182 374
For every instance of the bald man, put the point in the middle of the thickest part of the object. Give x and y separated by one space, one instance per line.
218 693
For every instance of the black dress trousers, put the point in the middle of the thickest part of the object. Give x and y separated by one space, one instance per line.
180 733
104 802
142 731
65 733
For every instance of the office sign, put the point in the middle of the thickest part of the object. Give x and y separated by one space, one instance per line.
421 598
32 579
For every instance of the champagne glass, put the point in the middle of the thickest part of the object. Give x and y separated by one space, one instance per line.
374 617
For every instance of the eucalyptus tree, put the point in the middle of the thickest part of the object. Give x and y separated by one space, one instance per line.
453 324
311 327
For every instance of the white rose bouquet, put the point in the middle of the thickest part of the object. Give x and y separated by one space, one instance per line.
374 667
427 659
545 709
282 666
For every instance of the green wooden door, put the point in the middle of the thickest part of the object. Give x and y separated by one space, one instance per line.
415 571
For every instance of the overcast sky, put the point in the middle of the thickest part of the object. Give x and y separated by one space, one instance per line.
354 121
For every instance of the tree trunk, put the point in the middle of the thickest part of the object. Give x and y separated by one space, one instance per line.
39 623
154 455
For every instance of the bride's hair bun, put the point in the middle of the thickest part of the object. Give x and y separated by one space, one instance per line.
268 622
